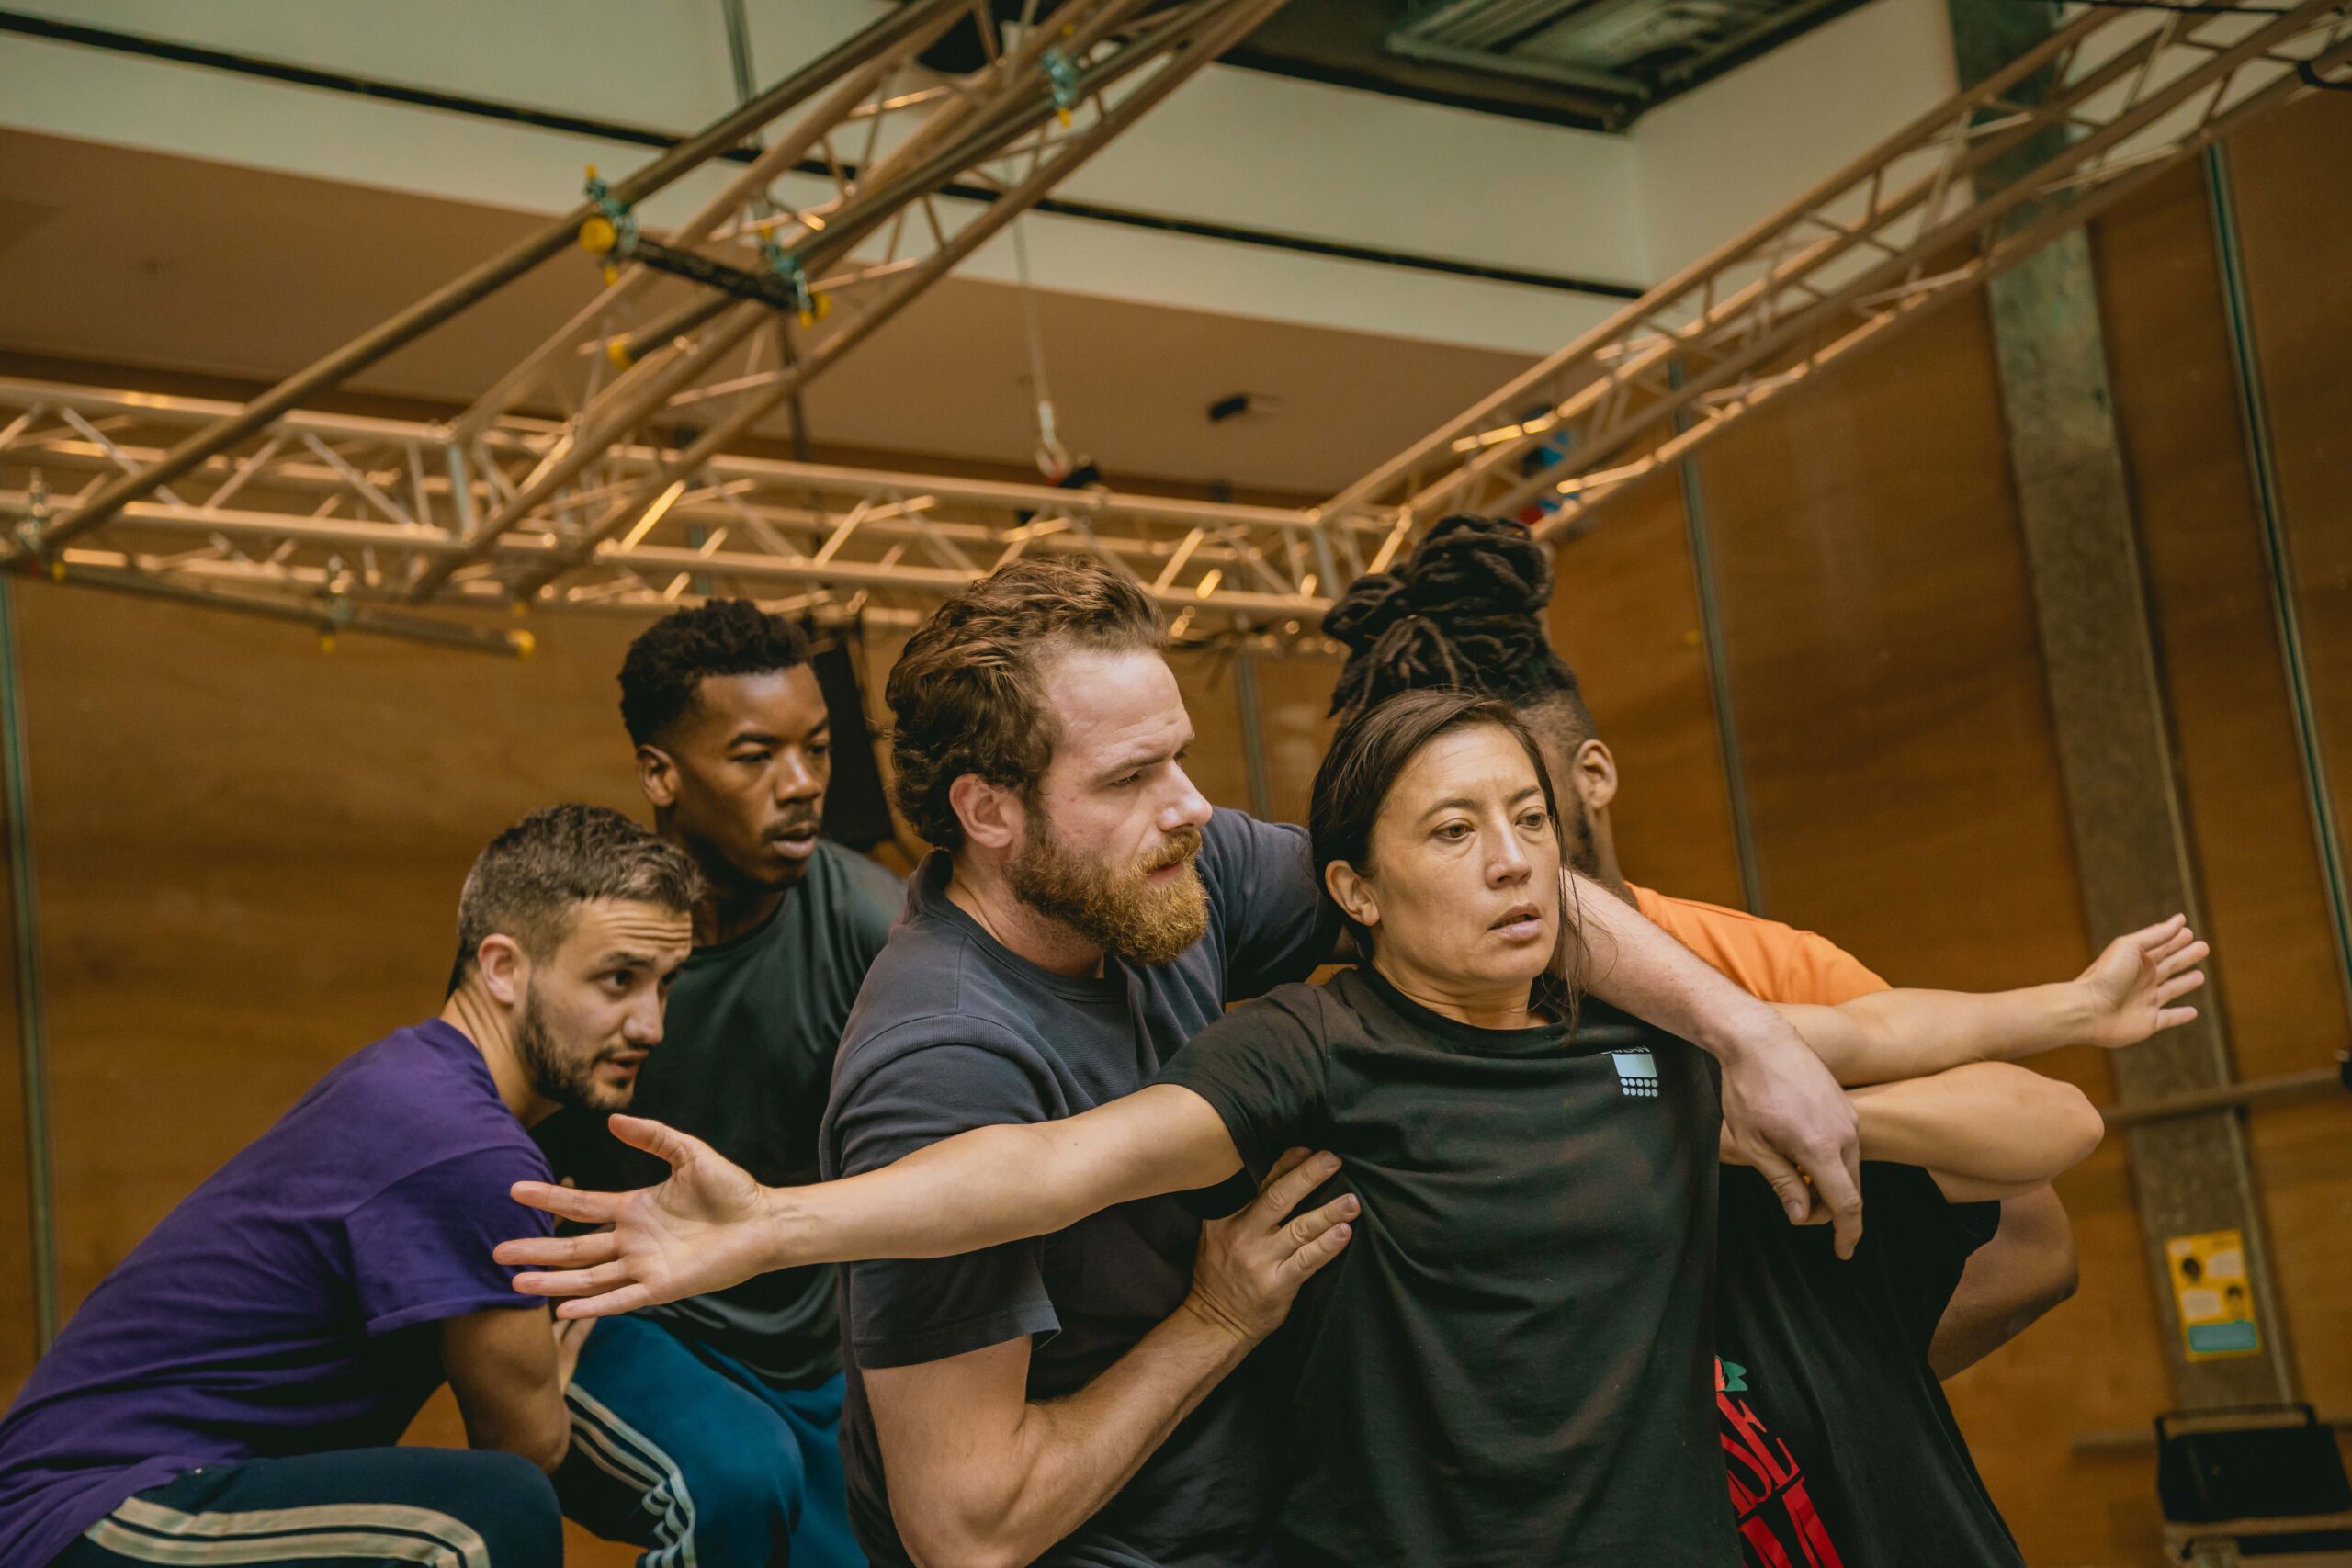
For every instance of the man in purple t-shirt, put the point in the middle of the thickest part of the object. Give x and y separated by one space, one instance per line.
233 1391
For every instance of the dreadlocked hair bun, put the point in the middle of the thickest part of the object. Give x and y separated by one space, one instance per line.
1465 611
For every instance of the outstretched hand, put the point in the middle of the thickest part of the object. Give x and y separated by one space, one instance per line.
2132 987
704 1229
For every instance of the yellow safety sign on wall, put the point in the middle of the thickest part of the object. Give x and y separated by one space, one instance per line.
2216 1298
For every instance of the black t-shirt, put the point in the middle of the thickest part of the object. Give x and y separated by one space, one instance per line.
1511 1363
953 1032
1841 1447
746 1058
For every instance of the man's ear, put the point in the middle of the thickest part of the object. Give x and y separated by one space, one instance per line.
1595 776
991 815
1353 893
505 972
657 775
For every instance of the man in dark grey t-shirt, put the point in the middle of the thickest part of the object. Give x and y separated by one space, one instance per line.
1086 914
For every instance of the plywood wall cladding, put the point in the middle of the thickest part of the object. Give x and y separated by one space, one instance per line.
1625 614
2288 180
249 855
1906 797
2242 784
2287 177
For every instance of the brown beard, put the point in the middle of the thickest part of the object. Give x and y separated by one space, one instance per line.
1114 907
567 1079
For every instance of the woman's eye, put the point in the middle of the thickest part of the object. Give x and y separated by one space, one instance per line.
1454 832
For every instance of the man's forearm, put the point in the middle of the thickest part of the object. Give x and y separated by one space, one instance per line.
1070 1457
1888 1035
1634 966
1987 1121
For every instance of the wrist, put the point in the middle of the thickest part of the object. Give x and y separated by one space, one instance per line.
1209 1314
787 1228
2075 1014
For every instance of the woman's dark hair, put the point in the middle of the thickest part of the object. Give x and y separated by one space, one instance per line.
1465 611
1371 752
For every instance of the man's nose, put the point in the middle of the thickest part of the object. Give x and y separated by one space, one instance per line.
1187 808
795 779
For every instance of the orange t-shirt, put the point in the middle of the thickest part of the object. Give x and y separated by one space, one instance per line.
1767 959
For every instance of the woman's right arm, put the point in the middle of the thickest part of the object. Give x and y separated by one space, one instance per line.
711 1225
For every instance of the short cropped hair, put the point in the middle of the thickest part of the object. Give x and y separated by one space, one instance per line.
670 659
965 693
529 884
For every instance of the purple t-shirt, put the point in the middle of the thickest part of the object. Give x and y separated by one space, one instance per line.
290 1305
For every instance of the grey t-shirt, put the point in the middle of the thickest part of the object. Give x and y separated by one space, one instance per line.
746 1055
952 1032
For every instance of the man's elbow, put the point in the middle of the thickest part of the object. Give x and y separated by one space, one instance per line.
544 1443
948 1547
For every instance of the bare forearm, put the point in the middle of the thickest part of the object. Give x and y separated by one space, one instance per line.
1634 966
1987 1121
1068 1458
993 1185
1907 1034
2026 1270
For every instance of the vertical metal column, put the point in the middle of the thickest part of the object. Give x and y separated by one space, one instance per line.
1253 744
2278 554
1711 631
2115 748
16 784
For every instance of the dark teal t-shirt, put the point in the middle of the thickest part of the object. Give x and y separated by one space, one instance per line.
745 1063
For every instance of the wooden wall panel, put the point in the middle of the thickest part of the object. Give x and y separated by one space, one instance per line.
1626 615
2287 177
2288 181
2242 781
1907 802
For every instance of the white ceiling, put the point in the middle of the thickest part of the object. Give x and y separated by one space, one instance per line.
138 258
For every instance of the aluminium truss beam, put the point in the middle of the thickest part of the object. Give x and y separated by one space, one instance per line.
1958 196
329 517
840 211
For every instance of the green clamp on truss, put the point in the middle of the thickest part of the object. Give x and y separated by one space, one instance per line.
1061 74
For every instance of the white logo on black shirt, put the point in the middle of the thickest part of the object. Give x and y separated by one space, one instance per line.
1637 1072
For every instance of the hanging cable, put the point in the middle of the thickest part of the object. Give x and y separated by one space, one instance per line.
1053 457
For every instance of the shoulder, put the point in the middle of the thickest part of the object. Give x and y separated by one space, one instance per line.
414 1104
1237 844
862 883
1297 1013
1770 958
927 994
416 1098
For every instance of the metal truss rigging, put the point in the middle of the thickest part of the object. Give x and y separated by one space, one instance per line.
1964 192
637 492
837 219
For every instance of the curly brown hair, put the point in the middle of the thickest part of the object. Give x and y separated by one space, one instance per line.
964 695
